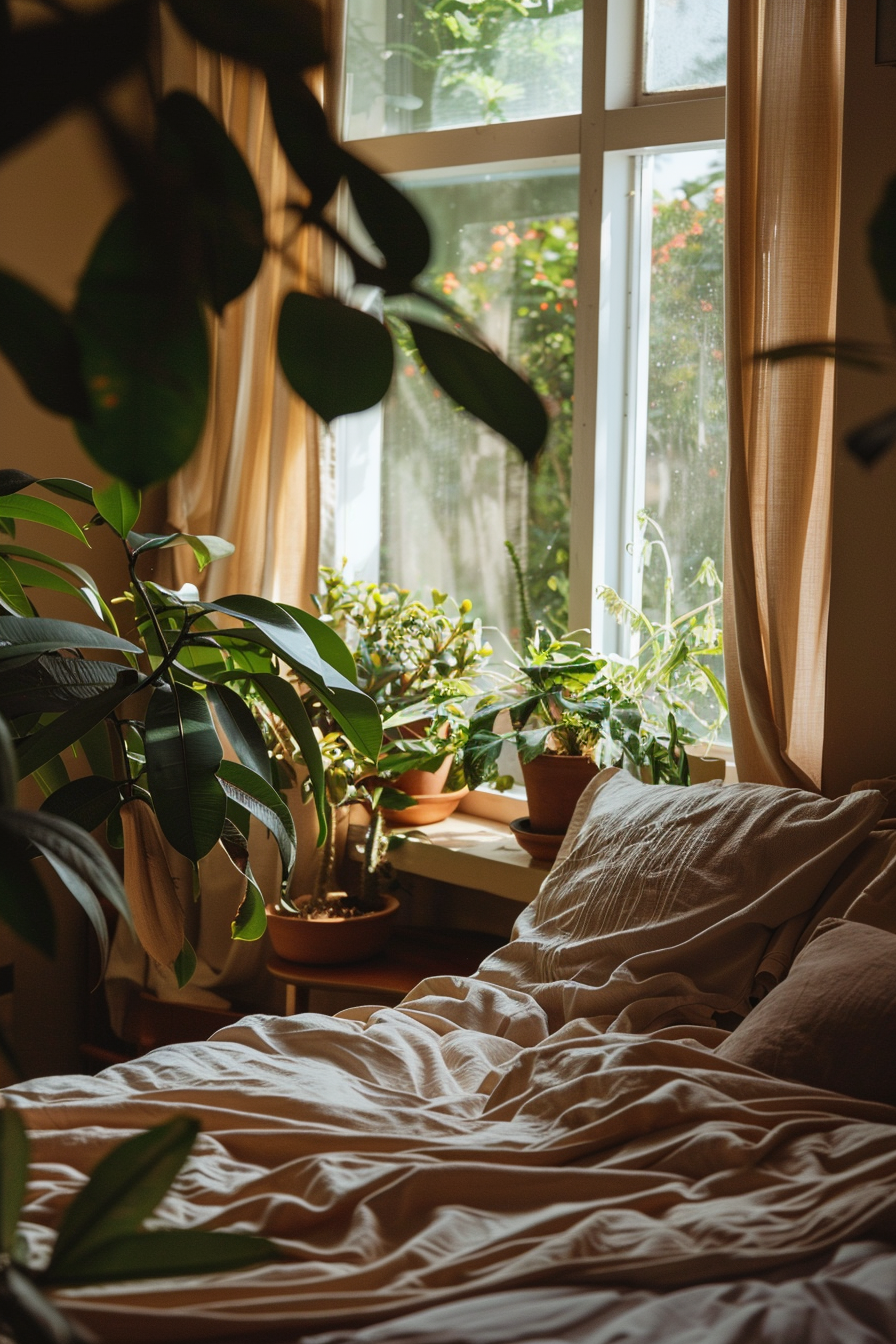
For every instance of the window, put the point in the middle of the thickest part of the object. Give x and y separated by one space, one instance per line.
569 158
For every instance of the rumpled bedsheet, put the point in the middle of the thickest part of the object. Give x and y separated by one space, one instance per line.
451 1146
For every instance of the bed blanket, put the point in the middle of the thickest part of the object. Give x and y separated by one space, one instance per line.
453 1146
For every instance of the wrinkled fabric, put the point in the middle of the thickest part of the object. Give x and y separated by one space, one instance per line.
456 1145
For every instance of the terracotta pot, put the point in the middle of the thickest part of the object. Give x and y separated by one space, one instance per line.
430 808
423 782
542 848
331 942
554 785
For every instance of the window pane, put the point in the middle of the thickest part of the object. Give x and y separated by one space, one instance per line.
452 492
415 66
685 44
687 439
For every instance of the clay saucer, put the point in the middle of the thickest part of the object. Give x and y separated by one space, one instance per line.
543 847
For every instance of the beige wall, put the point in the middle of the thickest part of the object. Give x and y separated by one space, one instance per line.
860 709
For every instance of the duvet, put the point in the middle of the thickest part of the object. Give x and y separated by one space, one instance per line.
456 1146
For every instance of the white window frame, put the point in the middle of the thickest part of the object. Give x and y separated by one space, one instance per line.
616 129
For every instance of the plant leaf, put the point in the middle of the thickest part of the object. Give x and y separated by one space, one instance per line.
123 1190
331 648
43 511
24 905
13 1173
241 729
286 34
250 791
882 242
394 224
302 130
221 199
480 382
283 698
868 441
65 487
144 353
50 683
183 754
33 576
119 505
78 851
38 340
169 1251
251 920
35 750
11 592
9 772
337 358
31 1317
185 965
87 801
481 757
20 638
46 68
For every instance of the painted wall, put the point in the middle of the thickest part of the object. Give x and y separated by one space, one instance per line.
860 708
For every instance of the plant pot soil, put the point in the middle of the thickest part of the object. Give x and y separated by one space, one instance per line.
331 942
429 808
554 785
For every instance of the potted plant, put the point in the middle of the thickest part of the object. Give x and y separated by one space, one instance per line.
151 713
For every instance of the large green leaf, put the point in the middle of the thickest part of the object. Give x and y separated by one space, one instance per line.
9 772
205 548
24 905
185 965
283 698
118 505
12 594
331 648
9 548
337 358
145 358
51 683
19 637
251 921
480 382
303 132
60 839
183 755
166 1252
220 197
87 801
48 67
394 224
13 1174
38 340
284 34
30 1316
43 511
34 576
47 742
241 730
247 789
123 1190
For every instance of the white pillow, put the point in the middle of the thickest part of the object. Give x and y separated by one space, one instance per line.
672 904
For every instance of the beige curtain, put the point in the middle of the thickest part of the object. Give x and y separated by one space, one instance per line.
255 477
783 182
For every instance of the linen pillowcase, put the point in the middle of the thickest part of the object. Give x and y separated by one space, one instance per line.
672 904
832 1022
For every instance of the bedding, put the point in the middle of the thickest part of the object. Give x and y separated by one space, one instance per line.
832 1023
505 1132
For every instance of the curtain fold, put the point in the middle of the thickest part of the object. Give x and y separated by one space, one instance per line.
255 477
785 93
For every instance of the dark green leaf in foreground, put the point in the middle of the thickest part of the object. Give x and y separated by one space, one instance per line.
303 132
144 354
882 242
394 224
38 340
283 698
24 905
183 754
251 920
286 34
47 742
32 1317
219 195
251 792
51 683
45 68
331 648
12 594
87 801
239 725
478 380
147 1255
123 1190
13 1174
337 358
9 773
868 441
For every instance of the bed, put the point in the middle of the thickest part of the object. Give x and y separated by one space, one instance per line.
567 1145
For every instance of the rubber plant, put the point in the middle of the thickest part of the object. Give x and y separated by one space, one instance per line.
101 1238
129 362
152 712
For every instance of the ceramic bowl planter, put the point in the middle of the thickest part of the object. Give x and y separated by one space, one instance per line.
554 785
428 807
330 942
